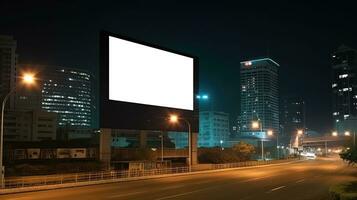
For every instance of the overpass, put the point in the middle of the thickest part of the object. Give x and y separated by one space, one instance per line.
324 141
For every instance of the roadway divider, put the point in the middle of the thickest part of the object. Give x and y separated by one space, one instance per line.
70 180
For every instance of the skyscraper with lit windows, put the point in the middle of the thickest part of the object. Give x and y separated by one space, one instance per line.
68 93
344 86
259 94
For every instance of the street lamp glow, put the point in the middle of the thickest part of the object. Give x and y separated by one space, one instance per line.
28 78
335 133
270 132
300 132
347 133
255 124
173 118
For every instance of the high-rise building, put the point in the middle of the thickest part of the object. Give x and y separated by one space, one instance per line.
214 129
68 92
65 91
292 115
259 94
344 85
8 61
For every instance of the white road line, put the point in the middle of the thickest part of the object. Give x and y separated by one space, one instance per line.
277 188
179 195
199 190
301 180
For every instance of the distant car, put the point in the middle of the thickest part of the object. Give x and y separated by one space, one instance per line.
310 156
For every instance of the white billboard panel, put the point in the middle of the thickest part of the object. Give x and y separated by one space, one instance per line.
151 76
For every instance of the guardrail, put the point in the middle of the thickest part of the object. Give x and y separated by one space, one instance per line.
122 175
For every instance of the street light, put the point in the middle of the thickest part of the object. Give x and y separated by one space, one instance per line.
347 133
175 119
270 133
162 148
27 79
335 134
300 132
256 125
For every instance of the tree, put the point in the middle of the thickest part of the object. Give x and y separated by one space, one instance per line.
243 150
350 156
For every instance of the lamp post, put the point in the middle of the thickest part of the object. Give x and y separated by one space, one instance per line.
347 133
256 125
162 148
27 79
270 133
175 119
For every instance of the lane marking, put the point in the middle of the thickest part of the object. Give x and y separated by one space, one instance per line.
203 189
277 188
301 180
182 194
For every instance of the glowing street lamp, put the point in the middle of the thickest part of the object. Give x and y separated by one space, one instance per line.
347 133
28 79
270 132
255 125
300 132
175 119
335 134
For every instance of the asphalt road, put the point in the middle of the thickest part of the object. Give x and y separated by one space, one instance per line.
303 180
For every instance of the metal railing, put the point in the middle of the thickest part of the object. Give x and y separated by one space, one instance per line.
122 175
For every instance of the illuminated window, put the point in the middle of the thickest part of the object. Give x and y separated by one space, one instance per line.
343 76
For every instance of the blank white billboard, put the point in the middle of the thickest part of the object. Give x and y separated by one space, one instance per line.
147 75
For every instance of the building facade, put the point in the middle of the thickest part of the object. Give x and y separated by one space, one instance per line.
68 93
292 115
8 61
259 94
214 129
35 125
344 86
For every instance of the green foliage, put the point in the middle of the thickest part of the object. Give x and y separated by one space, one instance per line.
243 150
238 153
345 191
350 156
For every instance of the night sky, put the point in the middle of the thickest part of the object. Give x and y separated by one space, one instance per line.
300 37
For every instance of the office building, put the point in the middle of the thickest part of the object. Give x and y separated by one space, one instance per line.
65 91
214 129
35 125
259 95
292 115
344 86
8 61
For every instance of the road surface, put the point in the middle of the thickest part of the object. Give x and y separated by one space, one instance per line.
302 180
